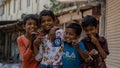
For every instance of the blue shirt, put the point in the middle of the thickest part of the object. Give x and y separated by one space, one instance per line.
71 57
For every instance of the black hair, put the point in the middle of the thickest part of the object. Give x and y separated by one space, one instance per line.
75 26
30 16
46 13
89 21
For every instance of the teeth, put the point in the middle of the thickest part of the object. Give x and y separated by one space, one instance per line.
47 26
68 39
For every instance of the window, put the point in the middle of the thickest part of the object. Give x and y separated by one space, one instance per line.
1 10
28 2
20 6
9 9
14 8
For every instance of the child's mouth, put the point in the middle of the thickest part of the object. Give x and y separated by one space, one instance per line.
68 40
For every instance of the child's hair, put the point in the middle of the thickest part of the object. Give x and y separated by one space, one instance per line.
75 26
30 16
89 21
46 13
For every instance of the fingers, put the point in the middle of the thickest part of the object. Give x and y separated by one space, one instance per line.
93 52
75 42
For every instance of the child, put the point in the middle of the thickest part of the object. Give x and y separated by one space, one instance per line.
74 50
50 49
95 44
25 42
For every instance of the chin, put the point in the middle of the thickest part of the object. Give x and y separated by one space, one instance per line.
69 42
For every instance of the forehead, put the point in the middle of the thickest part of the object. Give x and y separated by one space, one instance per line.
89 27
46 17
70 30
31 21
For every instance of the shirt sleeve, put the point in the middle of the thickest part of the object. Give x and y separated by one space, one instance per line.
105 45
81 45
25 53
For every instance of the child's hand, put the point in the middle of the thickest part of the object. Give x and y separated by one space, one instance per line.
52 31
89 59
94 40
33 36
93 52
37 41
75 43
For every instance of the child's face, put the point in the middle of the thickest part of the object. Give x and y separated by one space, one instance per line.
70 35
47 22
90 30
30 26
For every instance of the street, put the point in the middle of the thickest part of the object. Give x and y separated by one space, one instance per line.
15 65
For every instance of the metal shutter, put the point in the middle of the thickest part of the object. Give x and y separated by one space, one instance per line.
112 32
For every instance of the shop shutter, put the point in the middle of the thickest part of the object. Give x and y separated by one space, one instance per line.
112 32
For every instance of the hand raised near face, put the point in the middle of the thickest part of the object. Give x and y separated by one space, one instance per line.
53 30
75 43
94 40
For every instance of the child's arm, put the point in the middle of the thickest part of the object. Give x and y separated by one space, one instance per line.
97 44
26 52
83 54
52 35
36 45
37 52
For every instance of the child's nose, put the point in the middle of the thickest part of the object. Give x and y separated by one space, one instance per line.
46 23
32 25
89 32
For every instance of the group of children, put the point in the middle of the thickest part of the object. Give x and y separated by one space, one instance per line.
52 47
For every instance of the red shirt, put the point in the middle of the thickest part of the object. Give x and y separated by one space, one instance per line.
28 59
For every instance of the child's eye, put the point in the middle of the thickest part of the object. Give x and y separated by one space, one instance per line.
42 21
49 20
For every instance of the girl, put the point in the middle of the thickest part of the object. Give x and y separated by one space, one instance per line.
25 42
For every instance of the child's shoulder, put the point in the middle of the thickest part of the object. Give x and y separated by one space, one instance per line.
102 39
81 45
20 37
85 39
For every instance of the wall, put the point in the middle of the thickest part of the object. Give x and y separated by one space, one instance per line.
35 7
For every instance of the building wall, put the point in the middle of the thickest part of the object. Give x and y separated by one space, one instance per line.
113 32
13 9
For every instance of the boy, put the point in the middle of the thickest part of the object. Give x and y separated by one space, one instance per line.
74 50
51 48
95 44
25 42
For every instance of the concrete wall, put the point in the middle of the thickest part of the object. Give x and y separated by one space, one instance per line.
10 14
113 32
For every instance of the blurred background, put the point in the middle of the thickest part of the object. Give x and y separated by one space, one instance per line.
107 12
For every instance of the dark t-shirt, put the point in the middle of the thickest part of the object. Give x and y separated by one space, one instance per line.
98 61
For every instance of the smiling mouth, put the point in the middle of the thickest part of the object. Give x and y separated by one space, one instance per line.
68 40
48 27
33 30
